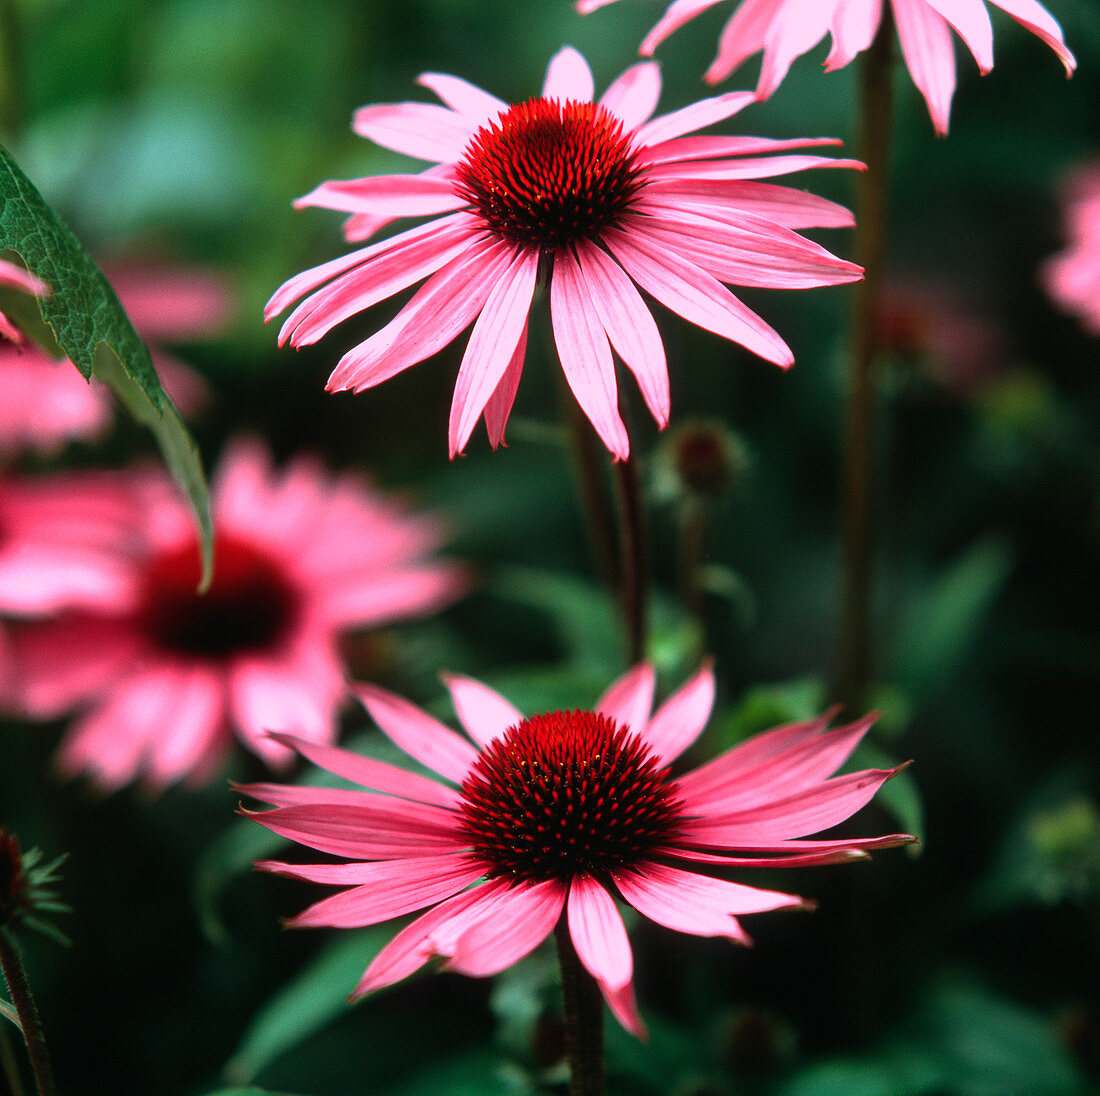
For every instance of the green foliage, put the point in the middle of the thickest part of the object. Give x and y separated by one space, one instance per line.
82 320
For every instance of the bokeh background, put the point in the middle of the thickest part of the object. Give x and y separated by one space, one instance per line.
179 131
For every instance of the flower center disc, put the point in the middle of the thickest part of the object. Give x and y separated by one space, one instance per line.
548 173
249 607
567 793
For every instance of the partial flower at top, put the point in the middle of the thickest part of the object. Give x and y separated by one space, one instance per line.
558 815
1072 277
785 29
595 198
164 675
47 402
15 277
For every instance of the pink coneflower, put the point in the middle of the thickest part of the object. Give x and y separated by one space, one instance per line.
47 402
785 29
15 277
1072 277
565 811
594 198
166 674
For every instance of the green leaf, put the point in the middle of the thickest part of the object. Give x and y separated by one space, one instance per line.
308 1002
246 1092
82 320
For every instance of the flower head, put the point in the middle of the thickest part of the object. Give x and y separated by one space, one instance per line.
597 198
164 673
1072 277
26 887
561 814
785 29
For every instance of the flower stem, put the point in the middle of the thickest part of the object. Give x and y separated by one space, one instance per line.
583 1009
633 556
854 666
20 990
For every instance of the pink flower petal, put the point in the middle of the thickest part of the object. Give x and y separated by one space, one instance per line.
929 55
500 402
678 13
629 325
192 729
680 720
391 195
492 345
417 733
853 27
743 35
633 96
629 700
423 130
1032 15
463 96
393 593
390 888
585 354
519 921
377 775
705 112
747 167
483 712
970 18
797 26
728 200
708 147
692 293
568 77
677 908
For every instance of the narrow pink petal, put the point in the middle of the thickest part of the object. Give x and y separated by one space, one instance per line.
970 18
492 344
377 775
301 795
680 720
629 325
16 277
520 920
749 167
463 96
500 402
377 827
423 130
1032 15
417 733
708 147
388 271
799 848
392 195
633 96
629 700
798 26
192 729
676 908
678 13
853 28
585 354
568 77
412 947
396 593
439 310
741 37
483 712
726 200
842 855
929 55
804 813
692 293
599 934
391 888
587 6
704 112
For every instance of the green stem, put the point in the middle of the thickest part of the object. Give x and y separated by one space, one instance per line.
633 557
692 551
583 1016
20 990
854 663
9 1069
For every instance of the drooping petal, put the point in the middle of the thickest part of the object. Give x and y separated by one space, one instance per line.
377 775
568 77
482 711
492 344
678 13
417 733
853 28
585 353
675 908
1032 15
520 919
633 96
743 35
970 18
679 721
628 701
500 402
929 55
798 25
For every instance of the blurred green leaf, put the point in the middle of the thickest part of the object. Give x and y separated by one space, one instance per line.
765 706
309 1002
946 615
246 1092
83 320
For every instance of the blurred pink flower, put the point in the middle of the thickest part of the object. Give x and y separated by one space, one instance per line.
1072 277
563 812
594 199
785 29
165 674
15 277
47 402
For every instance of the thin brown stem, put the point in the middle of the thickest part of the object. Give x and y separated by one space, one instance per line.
583 1017
854 662
16 977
